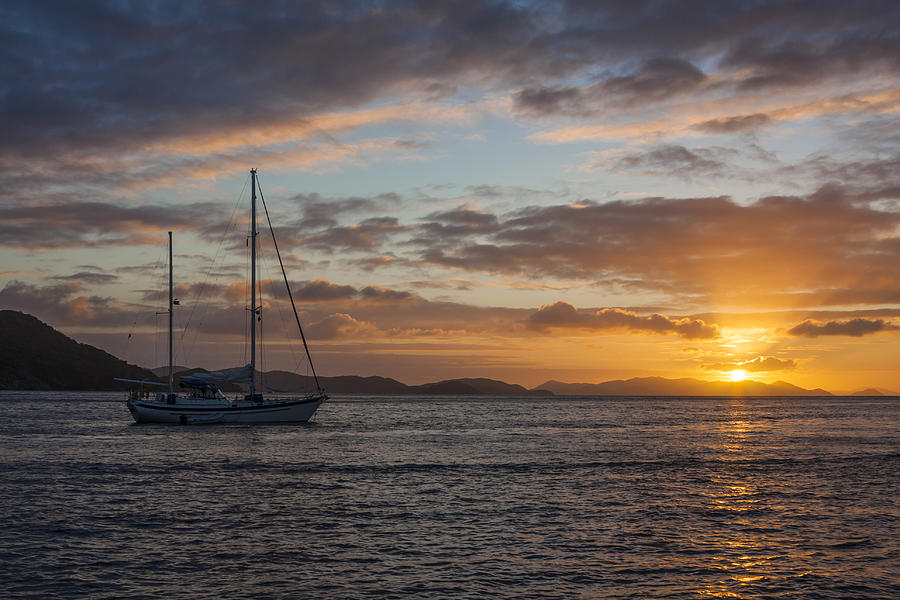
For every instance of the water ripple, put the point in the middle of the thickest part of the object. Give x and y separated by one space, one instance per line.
454 498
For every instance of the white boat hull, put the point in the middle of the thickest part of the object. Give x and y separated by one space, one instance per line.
287 410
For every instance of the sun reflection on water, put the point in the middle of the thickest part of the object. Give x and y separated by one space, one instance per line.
740 506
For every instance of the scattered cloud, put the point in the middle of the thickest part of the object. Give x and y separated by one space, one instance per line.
338 326
88 277
63 304
853 327
92 224
831 240
654 80
760 364
673 160
735 124
564 315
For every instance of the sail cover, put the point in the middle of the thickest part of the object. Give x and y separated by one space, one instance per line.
236 375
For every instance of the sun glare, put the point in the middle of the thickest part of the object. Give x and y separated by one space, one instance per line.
738 375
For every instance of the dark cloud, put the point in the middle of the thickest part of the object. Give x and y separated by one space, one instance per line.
319 212
458 222
677 160
880 173
64 304
379 294
368 235
831 240
88 277
563 314
735 124
321 289
376 262
546 100
654 80
99 75
825 52
75 224
659 77
853 327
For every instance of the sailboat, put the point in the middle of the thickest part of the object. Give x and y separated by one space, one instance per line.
200 400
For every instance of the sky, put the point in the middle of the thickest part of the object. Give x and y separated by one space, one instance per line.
517 190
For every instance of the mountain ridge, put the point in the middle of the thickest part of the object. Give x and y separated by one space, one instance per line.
33 355
685 386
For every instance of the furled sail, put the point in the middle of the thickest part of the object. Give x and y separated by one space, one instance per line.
236 375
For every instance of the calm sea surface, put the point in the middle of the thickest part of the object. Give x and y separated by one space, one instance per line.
454 498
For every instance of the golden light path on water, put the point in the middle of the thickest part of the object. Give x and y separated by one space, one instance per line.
741 503
713 497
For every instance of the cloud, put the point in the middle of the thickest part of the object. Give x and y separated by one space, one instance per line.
692 119
735 124
706 248
88 277
458 222
853 327
759 364
655 79
340 326
92 224
376 262
563 314
321 289
96 78
64 303
379 294
369 234
800 60
675 160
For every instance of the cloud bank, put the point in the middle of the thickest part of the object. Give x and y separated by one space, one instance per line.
853 328
564 315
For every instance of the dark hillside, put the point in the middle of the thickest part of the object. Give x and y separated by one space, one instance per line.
34 356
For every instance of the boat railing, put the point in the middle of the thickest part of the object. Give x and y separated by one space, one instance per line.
278 399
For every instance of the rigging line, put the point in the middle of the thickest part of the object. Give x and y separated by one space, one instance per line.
261 345
295 358
228 227
287 285
277 304
279 307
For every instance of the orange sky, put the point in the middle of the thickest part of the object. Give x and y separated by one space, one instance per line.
516 191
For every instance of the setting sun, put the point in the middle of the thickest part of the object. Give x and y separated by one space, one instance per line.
738 375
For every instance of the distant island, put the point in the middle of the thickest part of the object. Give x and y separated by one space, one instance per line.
34 356
660 386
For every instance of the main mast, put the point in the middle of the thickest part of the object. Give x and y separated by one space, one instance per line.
253 233
171 367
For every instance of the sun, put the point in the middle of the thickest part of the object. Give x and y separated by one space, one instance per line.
738 375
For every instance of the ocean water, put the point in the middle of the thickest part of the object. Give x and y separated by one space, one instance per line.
455 498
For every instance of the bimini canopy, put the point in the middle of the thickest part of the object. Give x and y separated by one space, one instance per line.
236 375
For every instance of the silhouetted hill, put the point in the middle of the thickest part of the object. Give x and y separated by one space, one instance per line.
351 384
660 386
164 371
481 385
34 356
341 384
453 387
867 392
